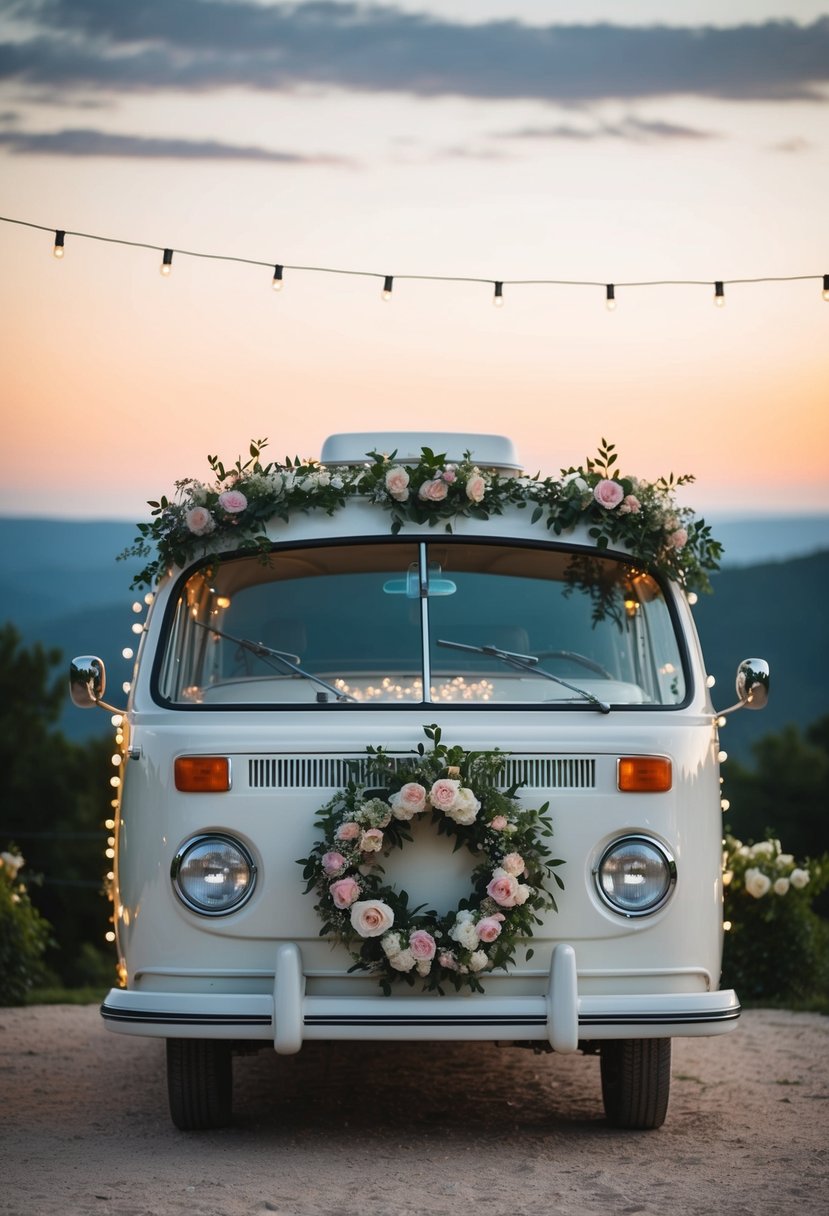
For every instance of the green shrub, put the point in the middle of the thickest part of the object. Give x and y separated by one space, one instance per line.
24 934
776 946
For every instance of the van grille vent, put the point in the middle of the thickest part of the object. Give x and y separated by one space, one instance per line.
333 772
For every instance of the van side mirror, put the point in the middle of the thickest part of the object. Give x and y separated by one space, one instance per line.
87 681
752 686
752 683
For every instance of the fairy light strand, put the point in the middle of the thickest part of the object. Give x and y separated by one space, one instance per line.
60 235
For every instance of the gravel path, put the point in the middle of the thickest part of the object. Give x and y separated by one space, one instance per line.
411 1129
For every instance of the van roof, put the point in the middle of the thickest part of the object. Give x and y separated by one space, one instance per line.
487 451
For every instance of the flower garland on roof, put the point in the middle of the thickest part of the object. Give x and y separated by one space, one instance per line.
640 517
510 881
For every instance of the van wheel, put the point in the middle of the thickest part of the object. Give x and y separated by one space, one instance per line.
199 1083
636 1082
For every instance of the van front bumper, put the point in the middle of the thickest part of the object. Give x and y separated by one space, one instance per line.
288 1017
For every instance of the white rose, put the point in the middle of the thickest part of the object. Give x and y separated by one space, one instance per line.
391 944
424 966
799 878
757 884
763 848
371 917
465 808
522 893
785 859
464 933
404 961
478 960
12 862
781 886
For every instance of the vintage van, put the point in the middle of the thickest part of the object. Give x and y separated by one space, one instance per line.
419 748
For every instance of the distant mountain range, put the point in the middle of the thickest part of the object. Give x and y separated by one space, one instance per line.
61 585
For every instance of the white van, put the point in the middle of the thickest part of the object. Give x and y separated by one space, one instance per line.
420 748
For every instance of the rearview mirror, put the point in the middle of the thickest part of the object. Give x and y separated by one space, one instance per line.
87 681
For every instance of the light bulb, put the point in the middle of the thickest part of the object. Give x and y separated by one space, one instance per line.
826 287
277 278
610 297
719 294
58 246
388 283
167 262
498 296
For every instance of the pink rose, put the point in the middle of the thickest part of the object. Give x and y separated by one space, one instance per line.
232 501
449 474
498 823
348 831
447 960
371 841
422 944
679 538
630 505
608 494
344 892
200 521
513 863
397 483
443 793
333 863
409 800
433 491
502 888
475 488
488 928
371 917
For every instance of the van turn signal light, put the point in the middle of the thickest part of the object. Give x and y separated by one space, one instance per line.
644 774
202 774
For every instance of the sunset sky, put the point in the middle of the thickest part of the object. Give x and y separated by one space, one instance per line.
602 141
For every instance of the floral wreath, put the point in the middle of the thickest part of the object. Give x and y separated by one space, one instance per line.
374 921
637 515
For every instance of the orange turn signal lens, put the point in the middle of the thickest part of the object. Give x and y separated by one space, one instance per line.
644 774
202 774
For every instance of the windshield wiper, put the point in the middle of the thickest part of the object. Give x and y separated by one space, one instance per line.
291 661
526 662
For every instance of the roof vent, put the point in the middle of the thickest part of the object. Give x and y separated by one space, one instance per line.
488 451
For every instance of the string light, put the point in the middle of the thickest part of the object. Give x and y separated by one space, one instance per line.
498 297
388 280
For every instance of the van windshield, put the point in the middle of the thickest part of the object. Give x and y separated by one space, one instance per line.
413 622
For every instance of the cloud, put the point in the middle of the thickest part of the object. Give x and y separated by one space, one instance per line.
195 45
636 130
87 142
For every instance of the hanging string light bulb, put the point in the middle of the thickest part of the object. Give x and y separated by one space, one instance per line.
276 283
826 288
498 297
719 294
610 297
57 249
167 263
388 283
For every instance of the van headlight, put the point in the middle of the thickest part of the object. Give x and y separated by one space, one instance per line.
213 874
635 875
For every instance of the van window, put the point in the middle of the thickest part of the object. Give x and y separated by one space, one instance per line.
377 622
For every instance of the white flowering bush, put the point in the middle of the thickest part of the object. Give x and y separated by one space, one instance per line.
24 934
776 946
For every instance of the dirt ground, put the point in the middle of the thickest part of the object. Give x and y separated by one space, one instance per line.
410 1129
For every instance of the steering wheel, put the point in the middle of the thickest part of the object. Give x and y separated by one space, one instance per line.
574 657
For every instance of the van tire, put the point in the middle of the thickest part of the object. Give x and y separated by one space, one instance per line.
636 1082
199 1083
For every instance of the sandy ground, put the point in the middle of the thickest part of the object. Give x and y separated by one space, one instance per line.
387 1130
